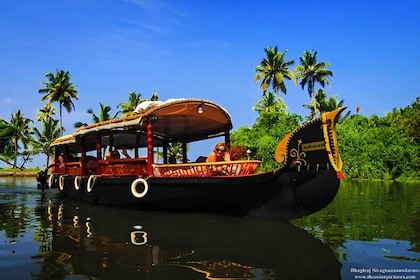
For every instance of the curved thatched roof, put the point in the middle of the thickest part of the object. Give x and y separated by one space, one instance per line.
173 120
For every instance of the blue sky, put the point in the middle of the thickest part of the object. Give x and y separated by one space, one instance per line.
206 49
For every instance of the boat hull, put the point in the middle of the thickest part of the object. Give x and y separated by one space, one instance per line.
298 194
283 195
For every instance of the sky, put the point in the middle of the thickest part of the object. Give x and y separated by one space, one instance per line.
205 49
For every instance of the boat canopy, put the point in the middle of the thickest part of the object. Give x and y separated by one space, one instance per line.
174 120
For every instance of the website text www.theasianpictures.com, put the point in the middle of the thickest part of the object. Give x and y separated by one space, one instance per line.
385 273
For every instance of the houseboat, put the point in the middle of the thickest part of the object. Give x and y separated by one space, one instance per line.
306 180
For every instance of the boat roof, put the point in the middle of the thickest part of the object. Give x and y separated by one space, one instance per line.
174 120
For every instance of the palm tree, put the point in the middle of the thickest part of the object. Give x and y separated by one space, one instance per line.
310 72
269 103
331 104
317 100
44 137
20 132
175 152
46 112
103 115
59 89
154 97
325 104
50 130
273 69
134 99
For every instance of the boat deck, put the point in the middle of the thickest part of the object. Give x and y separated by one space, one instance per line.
138 167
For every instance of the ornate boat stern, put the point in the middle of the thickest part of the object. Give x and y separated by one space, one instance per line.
313 146
309 177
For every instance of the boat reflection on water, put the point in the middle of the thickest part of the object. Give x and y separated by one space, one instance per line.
109 243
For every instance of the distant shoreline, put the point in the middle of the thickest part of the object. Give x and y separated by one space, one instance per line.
18 173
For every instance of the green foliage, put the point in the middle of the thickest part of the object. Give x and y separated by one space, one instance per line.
134 99
270 103
15 132
322 103
409 118
104 115
377 148
7 154
49 131
262 138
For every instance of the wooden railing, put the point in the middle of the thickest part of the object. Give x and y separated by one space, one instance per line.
230 168
138 167
72 168
124 167
111 167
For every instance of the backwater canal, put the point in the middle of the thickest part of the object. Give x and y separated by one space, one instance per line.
370 231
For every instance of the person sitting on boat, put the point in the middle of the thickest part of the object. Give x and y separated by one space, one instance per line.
219 153
61 160
237 152
114 154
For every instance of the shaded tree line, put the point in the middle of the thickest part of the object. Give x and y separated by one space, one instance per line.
385 148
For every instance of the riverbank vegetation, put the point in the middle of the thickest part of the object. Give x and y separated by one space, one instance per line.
372 147
382 148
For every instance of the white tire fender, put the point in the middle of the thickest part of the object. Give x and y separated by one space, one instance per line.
91 183
61 182
50 180
77 181
134 187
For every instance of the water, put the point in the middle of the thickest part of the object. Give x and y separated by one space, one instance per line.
371 230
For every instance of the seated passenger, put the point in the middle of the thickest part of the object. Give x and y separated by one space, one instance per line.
112 155
237 152
219 153
91 165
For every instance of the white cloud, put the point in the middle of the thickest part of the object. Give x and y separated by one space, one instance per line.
145 4
7 101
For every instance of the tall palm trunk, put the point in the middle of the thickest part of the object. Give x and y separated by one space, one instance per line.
311 95
15 145
61 119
